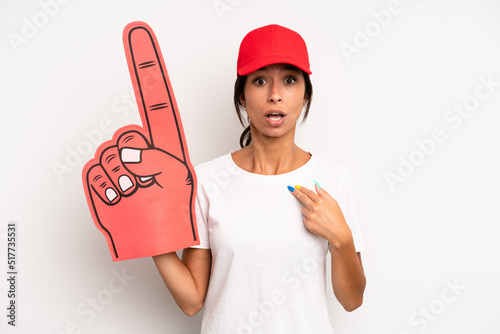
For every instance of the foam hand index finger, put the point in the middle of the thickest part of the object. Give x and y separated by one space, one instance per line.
153 91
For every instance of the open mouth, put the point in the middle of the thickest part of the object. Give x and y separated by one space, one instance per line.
275 115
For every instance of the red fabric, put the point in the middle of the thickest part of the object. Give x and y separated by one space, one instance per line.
272 44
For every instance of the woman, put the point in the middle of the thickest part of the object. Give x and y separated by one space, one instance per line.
260 267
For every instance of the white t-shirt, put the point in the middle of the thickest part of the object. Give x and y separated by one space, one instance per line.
268 271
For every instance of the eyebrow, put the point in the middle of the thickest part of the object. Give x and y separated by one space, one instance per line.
292 68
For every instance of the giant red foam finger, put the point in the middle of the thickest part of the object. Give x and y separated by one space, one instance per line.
153 90
154 214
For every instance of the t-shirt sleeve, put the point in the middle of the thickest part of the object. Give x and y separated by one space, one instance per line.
347 204
202 221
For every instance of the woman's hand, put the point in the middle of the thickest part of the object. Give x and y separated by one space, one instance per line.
323 216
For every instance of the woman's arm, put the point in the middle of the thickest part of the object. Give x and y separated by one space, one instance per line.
348 277
186 279
323 217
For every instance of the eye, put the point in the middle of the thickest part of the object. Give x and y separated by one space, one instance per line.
259 81
290 80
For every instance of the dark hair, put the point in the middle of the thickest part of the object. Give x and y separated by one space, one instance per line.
239 93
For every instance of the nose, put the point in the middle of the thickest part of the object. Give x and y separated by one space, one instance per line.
275 94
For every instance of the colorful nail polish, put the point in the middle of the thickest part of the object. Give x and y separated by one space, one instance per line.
292 189
317 184
297 187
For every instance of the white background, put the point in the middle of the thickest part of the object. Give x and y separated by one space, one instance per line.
64 78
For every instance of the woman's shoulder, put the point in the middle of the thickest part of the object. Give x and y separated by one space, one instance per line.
210 163
332 175
215 166
330 166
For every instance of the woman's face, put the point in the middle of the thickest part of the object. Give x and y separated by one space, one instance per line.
274 97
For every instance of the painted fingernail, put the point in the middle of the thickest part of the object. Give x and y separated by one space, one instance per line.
111 194
317 184
131 155
292 189
125 182
297 187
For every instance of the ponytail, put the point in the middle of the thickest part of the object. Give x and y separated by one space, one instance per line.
246 137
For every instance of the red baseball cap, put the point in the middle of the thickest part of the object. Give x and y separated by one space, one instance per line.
272 44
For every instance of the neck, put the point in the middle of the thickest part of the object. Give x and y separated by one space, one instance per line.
271 156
